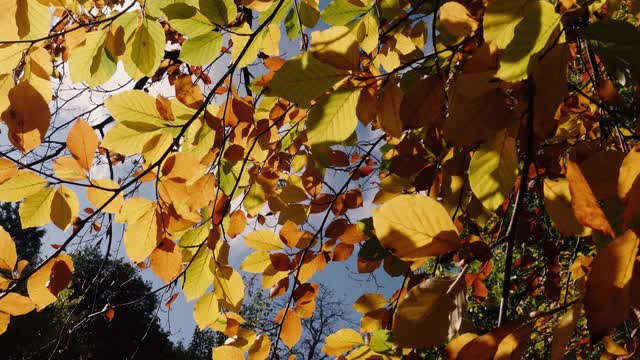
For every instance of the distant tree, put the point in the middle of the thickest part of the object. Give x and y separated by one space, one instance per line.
69 328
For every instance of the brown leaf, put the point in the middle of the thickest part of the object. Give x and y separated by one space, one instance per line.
608 293
423 104
188 93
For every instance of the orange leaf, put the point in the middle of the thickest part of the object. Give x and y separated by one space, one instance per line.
608 294
584 203
291 327
82 143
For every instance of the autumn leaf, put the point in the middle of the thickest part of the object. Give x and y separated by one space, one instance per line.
584 204
82 143
291 327
415 226
607 296
436 305
342 341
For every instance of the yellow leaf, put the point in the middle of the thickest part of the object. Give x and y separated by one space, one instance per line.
166 261
64 207
557 201
229 288
493 170
435 306
240 40
629 171
198 277
82 143
304 78
141 236
26 183
36 209
457 343
369 302
38 283
415 226
227 352
332 120
563 331
8 170
514 344
205 311
135 109
607 296
264 240
336 46
4 322
90 62
259 350
256 262
68 168
144 50
455 19
16 304
99 197
8 256
27 118
342 341
133 209
291 327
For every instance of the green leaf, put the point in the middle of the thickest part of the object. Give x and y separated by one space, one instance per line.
36 209
333 119
500 20
230 174
291 24
282 11
187 20
127 141
220 12
135 109
532 26
493 170
240 38
144 50
340 12
91 62
198 276
373 250
309 12
382 342
202 49
304 78
617 43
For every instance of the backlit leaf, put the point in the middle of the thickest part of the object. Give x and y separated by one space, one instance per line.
435 306
8 256
415 226
493 170
342 341
205 310
82 143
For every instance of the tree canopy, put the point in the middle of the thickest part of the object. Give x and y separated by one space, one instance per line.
481 153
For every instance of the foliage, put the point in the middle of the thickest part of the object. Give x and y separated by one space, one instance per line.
484 153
